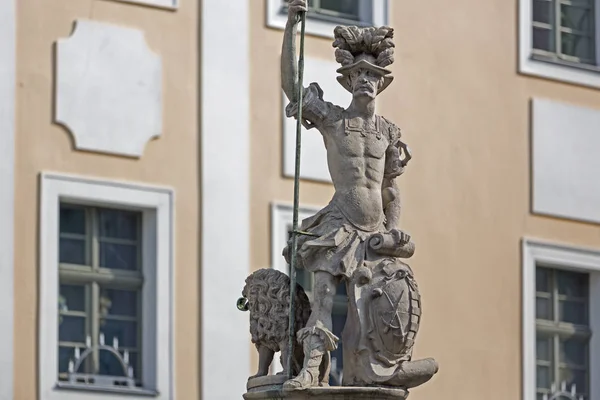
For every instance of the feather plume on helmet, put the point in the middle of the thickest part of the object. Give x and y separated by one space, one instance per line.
371 48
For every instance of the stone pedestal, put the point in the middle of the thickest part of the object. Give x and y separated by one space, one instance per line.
269 388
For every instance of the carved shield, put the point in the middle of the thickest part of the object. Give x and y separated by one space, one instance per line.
394 312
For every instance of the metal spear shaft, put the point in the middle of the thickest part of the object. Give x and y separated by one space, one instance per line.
292 316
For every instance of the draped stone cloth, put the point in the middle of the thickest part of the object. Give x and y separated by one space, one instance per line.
340 246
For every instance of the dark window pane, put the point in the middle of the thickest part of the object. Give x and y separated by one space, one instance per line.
574 312
543 39
72 251
72 219
574 377
578 18
574 352
303 277
118 302
544 348
543 308
543 11
124 331
65 354
71 329
577 46
543 377
572 284
72 298
542 279
110 365
342 6
118 256
118 224
339 320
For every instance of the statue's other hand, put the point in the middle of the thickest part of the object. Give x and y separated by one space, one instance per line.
295 8
401 237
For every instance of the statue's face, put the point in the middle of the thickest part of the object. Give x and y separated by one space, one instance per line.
365 83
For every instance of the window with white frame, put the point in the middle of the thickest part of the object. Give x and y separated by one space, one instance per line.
559 40
106 263
324 15
561 321
281 227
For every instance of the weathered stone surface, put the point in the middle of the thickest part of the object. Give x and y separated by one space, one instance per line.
331 393
356 238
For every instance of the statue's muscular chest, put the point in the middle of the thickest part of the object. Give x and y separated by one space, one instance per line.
356 137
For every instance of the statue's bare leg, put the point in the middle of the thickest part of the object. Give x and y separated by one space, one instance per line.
316 338
265 357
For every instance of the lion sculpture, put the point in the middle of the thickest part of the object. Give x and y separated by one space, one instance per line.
267 296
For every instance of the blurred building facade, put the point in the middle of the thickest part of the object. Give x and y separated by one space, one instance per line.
147 168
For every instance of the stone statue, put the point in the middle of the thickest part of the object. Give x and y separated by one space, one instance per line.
357 238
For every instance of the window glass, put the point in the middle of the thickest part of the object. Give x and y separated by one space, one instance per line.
97 307
563 334
564 29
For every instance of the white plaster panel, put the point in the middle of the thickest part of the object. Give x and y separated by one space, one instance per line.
108 88
171 4
225 157
313 161
566 162
7 193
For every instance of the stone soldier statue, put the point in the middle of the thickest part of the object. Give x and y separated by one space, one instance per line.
365 155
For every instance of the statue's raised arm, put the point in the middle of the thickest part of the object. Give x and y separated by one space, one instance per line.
289 73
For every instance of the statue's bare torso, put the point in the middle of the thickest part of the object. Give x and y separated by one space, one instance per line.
356 163
357 157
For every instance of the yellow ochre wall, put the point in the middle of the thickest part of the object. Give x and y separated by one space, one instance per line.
172 160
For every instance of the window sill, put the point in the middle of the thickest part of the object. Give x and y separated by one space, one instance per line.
565 63
560 70
106 390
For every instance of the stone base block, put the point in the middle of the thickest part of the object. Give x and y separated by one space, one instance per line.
328 393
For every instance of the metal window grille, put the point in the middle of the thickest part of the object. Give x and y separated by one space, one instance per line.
562 332
100 278
564 30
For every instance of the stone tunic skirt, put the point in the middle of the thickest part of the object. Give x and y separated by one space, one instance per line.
340 247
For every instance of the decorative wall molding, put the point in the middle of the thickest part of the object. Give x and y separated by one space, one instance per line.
108 88
156 203
168 4
7 193
225 157
565 162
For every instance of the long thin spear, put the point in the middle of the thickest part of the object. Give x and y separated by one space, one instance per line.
292 316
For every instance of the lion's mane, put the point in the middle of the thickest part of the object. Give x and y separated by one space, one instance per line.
268 294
